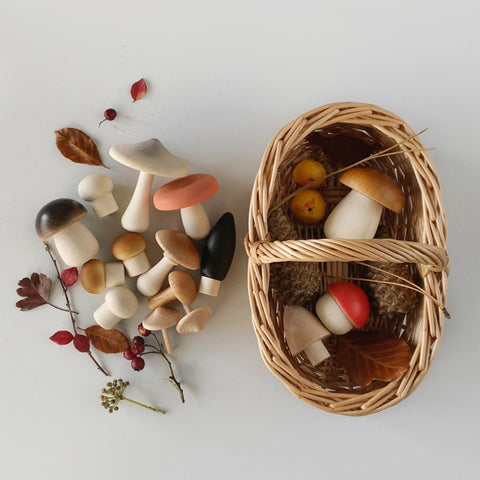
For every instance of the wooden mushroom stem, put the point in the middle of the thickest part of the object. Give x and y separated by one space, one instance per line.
195 221
76 244
136 215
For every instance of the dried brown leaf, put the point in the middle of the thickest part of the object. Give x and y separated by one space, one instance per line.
35 290
77 146
368 356
107 341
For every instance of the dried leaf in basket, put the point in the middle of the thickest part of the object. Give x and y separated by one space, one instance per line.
294 283
368 356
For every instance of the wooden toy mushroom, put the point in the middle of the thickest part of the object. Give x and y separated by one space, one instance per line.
217 255
358 214
59 219
95 275
344 306
120 302
178 249
184 289
162 318
305 333
130 249
186 194
150 158
97 189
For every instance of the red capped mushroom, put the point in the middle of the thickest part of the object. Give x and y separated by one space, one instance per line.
186 194
344 306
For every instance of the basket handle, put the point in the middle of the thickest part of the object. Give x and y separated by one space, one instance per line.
341 250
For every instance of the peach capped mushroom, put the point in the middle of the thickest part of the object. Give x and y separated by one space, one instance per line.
305 333
95 275
130 249
187 194
120 302
97 190
150 158
344 306
358 214
178 249
59 219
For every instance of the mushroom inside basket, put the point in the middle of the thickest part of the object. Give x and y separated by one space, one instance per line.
401 267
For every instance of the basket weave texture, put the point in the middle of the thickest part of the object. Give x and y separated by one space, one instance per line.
417 242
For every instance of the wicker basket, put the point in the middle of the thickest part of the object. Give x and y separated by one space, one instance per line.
418 236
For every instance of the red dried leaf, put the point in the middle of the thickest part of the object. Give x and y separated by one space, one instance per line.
77 146
107 341
138 90
69 276
81 342
35 290
368 356
62 337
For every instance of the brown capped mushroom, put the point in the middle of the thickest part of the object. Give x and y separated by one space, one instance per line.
130 249
178 249
358 214
59 219
95 275
162 318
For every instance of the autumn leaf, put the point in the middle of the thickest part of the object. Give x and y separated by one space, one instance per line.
62 337
107 341
138 90
81 343
77 146
35 290
69 276
368 356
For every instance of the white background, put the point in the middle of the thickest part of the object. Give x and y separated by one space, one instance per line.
223 78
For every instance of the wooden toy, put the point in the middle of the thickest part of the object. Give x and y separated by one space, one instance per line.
95 275
217 255
162 318
97 189
59 219
120 302
150 158
358 214
186 194
344 306
130 249
178 249
305 333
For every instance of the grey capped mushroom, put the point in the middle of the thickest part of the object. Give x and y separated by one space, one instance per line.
150 158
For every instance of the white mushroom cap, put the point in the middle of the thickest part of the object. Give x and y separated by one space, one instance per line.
120 302
97 189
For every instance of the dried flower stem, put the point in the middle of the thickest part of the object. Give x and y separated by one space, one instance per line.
70 311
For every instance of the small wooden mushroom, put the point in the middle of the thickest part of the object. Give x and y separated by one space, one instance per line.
150 158
130 249
344 306
95 275
305 333
184 289
59 219
178 249
97 189
162 318
187 194
217 255
120 302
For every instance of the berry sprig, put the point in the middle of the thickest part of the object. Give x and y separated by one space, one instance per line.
113 394
138 348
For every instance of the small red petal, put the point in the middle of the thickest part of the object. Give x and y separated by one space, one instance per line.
69 276
62 337
138 90
82 343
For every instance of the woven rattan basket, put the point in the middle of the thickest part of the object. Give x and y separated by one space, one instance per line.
417 239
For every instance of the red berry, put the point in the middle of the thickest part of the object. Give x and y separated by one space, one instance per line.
138 340
144 332
129 354
138 363
109 114
137 348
